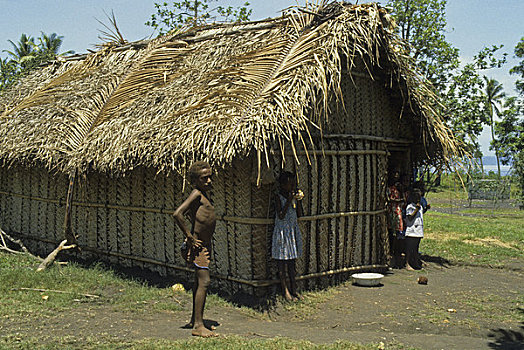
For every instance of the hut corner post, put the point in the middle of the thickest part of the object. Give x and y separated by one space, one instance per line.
68 230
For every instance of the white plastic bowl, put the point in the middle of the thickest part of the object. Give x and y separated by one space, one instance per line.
367 279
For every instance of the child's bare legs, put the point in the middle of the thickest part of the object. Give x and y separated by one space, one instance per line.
292 281
282 265
412 257
199 301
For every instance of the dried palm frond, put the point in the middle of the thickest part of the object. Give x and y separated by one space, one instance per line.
215 92
111 35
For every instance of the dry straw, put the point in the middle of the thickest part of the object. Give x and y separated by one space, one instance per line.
214 93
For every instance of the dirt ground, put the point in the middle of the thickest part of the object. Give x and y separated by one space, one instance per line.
460 308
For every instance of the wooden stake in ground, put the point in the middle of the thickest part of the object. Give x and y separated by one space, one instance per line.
52 256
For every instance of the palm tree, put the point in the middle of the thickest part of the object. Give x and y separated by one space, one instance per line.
24 50
493 94
50 44
7 71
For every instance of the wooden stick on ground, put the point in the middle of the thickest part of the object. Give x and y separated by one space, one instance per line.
57 291
52 256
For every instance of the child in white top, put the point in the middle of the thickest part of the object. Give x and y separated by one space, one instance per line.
414 230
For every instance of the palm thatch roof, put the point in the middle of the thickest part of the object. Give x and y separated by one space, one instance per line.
214 92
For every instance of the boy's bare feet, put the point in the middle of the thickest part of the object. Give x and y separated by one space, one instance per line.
288 297
409 268
297 297
203 332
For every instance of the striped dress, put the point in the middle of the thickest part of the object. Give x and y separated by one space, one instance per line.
287 240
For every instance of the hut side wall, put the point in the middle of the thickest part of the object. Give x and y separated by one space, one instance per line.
128 220
344 223
32 203
369 109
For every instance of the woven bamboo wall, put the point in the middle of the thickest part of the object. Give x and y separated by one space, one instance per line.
344 223
369 109
128 220
21 213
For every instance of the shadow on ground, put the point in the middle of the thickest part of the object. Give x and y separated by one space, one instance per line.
507 339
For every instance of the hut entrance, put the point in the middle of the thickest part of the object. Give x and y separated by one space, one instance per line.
399 159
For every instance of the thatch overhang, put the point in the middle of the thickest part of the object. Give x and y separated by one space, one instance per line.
215 93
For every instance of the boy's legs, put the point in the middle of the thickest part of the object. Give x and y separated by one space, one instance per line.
412 253
199 301
418 261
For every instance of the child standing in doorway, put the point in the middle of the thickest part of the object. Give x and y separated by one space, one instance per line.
414 230
200 211
287 240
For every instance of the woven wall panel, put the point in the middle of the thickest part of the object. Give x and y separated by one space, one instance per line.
37 225
101 213
52 230
220 262
370 109
331 184
180 192
153 240
136 222
368 228
303 170
231 238
242 190
90 195
360 195
169 229
313 244
342 207
112 238
324 197
3 198
123 217
261 199
334 206
16 213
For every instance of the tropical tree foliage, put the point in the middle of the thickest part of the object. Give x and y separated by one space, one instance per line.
494 93
510 130
27 54
422 23
519 68
173 15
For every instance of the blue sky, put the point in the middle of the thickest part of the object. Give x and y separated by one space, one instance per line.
472 24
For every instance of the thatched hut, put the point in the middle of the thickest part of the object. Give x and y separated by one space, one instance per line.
96 147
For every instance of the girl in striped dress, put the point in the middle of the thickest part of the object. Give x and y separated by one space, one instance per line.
287 241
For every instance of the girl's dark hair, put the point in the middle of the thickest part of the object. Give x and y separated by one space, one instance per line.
414 196
285 176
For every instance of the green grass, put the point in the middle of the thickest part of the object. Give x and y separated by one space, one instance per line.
478 240
223 343
74 281
308 307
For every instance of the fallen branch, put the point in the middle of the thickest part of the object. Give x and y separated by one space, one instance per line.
57 291
17 242
52 256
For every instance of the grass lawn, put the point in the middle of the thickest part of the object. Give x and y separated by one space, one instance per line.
496 240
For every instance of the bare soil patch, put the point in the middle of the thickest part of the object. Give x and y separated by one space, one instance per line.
460 308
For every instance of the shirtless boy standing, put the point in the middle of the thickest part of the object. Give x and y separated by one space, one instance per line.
200 210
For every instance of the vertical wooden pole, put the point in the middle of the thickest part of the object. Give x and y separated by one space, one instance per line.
68 229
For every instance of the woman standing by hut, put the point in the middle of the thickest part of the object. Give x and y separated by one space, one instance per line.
395 221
